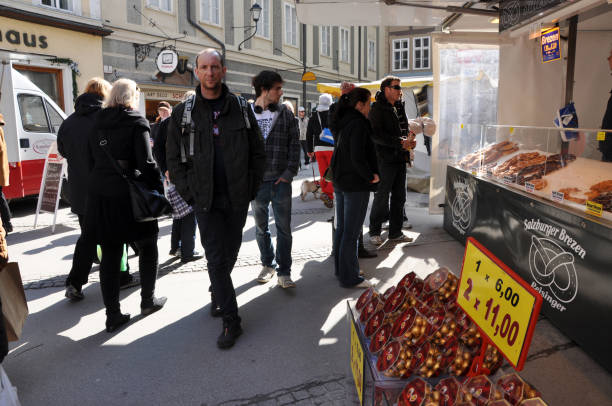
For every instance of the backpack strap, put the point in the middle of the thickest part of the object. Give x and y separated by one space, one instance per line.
243 106
188 128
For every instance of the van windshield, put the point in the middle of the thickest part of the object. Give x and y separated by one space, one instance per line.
32 111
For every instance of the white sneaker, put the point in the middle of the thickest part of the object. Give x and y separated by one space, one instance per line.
406 225
364 284
376 240
284 281
401 238
267 272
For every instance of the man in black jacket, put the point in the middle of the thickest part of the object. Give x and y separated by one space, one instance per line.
217 163
605 146
390 151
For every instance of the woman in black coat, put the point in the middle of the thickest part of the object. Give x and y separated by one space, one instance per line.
355 173
122 132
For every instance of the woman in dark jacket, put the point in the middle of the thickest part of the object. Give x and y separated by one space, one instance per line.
355 173
122 132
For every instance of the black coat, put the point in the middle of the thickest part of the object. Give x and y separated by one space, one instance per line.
386 131
243 149
314 130
72 140
159 145
109 214
606 146
354 160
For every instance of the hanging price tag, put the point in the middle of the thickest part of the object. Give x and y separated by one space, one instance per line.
601 136
502 305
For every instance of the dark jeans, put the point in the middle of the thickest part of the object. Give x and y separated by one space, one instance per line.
221 235
280 197
392 181
351 208
304 143
5 212
110 271
82 259
183 235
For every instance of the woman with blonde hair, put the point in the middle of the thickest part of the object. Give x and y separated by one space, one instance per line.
121 134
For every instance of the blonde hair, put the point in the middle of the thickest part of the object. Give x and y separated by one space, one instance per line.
98 86
123 93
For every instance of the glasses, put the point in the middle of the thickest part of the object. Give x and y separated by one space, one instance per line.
396 87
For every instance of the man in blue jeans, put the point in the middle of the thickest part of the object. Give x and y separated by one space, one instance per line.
281 138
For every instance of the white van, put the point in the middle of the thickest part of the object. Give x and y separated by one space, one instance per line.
32 121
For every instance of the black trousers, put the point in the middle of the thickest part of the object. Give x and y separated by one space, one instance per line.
110 268
5 212
392 182
304 143
183 235
221 235
82 260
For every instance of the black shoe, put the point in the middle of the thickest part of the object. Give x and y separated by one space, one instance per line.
74 294
8 227
363 253
191 258
152 305
175 252
215 309
116 321
229 335
127 281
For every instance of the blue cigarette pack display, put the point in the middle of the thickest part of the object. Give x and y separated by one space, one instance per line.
567 118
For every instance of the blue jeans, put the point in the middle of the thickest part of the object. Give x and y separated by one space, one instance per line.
280 197
351 208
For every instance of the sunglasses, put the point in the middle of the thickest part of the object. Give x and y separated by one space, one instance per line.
396 87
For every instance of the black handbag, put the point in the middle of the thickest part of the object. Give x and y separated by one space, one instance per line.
147 203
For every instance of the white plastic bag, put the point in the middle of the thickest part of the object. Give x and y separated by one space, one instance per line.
8 393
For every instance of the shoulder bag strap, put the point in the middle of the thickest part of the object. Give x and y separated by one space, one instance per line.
104 145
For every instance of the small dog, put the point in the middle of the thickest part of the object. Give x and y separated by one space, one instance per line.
310 186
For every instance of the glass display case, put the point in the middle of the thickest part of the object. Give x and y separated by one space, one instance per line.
536 161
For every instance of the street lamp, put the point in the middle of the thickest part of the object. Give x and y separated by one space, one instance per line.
255 15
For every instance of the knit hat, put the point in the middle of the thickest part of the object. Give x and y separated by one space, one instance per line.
301 108
325 100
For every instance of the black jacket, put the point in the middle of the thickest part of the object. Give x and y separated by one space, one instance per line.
606 146
127 133
386 131
354 160
244 154
72 139
314 130
159 144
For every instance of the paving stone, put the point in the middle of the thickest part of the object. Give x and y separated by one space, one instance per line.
285 399
301 394
317 390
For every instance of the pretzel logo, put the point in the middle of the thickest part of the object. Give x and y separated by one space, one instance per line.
462 210
553 267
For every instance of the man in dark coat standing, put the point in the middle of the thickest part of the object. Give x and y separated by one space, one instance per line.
217 163
605 146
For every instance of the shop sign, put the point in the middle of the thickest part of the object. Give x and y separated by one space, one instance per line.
15 37
502 304
551 45
515 12
164 95
357 360
167 60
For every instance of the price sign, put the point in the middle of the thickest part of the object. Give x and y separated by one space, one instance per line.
594 208
357 361
601 136
504 306
529 187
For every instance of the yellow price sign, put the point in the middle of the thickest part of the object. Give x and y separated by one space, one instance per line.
503 305
594 208
357 361
601 136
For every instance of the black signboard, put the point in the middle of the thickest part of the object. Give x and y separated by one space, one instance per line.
515 12
565 257
52 180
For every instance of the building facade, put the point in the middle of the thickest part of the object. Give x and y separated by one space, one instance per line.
142 28
409 51
57 44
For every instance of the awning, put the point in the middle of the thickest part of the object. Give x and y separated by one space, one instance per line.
334 88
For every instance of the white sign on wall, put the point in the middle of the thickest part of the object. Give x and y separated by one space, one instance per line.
167 60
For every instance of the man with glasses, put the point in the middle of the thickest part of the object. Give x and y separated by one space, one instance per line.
390 151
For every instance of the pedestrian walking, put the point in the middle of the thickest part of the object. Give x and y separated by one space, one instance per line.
73 144
355 175
216 159
390 152
319 148
120 143
303 125
5 212
605 146
281 138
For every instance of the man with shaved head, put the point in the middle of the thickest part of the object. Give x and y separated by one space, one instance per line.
216 158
